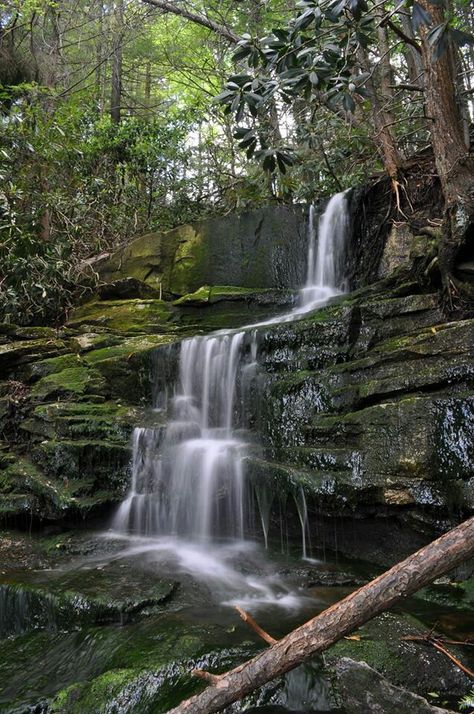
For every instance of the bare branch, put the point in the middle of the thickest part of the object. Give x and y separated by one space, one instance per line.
220 30
402 36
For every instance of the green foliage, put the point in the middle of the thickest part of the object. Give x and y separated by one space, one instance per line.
327 58
74 185
467 702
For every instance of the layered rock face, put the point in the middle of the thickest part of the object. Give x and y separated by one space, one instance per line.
265 248
367 404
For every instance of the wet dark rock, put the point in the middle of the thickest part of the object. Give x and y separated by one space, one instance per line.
367 404
451 594
61 601
334 579
362 690
412 665
127 289
263 248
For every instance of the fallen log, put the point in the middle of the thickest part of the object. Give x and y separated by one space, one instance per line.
316 635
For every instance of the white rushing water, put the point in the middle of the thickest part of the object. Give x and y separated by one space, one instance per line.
188 476
187 479
325 266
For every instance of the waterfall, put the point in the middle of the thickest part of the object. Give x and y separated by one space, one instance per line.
192 483
188 476
325 267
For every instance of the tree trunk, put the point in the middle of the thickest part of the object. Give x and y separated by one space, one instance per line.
116 89
411 54
405 578
99 69
384 137
454 163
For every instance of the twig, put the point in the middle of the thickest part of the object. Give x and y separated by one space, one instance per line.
429 640
250 621
459 664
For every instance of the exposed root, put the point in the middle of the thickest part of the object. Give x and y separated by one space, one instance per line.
396 186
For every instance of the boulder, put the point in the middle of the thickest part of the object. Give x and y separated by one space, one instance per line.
263 248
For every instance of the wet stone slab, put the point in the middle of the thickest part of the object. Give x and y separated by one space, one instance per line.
61 600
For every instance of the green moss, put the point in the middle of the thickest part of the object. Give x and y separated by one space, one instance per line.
27 333
55 364
15 353
127 348
188 266
454 595
208 294
72 381
23 482
94 341
125 316
65 699
86 465
109 420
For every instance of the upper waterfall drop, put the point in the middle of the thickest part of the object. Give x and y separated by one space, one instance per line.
325 266
188 475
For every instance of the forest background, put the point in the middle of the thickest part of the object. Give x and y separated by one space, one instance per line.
118 118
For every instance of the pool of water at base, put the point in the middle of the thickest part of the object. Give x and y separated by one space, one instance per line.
195 623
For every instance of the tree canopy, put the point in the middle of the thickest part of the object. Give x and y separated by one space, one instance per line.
121 117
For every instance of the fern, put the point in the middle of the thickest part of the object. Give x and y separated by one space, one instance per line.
467 701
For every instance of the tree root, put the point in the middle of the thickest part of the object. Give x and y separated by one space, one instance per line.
396 186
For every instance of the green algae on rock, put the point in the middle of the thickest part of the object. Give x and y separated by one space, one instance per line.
263 248
124 316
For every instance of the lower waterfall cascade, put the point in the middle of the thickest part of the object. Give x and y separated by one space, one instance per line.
188 475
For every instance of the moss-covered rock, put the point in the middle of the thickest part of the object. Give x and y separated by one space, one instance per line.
124 316
420 668
17 353
362 690
58 601
26 489
264 248
92 471
73 382
208 294
126 367
108 420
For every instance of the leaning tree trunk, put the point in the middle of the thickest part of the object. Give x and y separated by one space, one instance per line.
405 578
454 162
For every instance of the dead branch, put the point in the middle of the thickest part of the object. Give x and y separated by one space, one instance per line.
428 639
250 621
198 19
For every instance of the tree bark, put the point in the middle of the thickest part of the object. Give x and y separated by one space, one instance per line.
405 578
384 138
117 60
411 54
454 163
